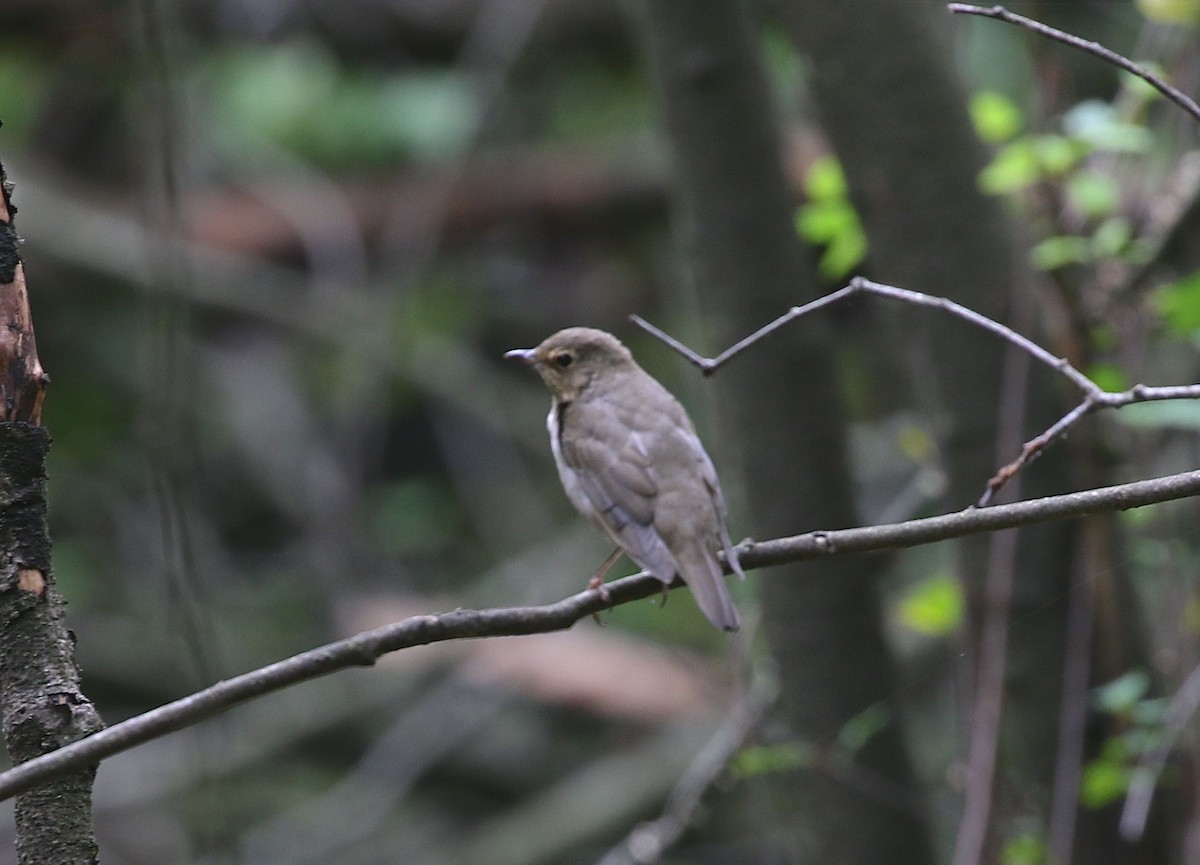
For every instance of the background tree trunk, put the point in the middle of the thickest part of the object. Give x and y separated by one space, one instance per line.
822 620
889 99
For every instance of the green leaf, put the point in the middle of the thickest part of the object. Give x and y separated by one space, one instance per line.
844 254
1179 304
1148 713
822 222
1096 125
1119 696
1014 167
933 606
1055 252
1111 238
1057 154
1093 194
1028 848
825 180
996 117
829 220
1104 782
1108 376
766 759
863 727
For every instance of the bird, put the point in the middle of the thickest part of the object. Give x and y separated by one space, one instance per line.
630 461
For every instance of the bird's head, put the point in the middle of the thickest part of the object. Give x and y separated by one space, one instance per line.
570 360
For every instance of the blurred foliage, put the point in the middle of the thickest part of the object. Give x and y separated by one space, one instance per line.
1181 415
1027 848
305 429
1179 304
828 220
1106 778
1108 376
934 606
997 119
417 516
22 88
299 96
785 757
1182 12
854 735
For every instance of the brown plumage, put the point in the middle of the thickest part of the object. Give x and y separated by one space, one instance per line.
630 461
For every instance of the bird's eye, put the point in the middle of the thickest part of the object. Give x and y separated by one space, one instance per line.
564 359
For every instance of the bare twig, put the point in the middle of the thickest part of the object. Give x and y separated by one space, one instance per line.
363 649
999 12
710 365
647 842
1073 703
989 703
992 648
1094 397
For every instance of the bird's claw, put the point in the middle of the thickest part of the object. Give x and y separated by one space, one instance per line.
597 583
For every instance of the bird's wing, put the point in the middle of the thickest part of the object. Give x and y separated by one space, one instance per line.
688 517
615 474
709 473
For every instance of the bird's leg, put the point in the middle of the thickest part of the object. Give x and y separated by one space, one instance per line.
597 580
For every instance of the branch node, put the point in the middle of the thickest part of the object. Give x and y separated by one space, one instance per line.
824 543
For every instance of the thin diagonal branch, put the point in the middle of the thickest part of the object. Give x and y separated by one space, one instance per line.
1094 397
648 842
1095 48
363 649
1182 708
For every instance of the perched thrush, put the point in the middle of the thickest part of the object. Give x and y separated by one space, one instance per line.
631 462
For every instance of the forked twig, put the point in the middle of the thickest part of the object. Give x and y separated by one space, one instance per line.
1000 13
1094 397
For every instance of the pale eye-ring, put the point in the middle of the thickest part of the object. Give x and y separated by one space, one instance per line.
564 359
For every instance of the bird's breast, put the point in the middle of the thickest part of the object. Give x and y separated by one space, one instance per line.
566 474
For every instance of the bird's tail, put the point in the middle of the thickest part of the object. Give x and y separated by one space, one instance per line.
701 570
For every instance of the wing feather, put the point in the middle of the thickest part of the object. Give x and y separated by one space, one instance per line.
620 486
615 471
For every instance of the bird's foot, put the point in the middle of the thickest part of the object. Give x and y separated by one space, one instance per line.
597 583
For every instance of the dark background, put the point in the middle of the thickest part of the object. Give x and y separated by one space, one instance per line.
276 251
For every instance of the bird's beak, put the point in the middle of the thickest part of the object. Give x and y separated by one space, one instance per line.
524 355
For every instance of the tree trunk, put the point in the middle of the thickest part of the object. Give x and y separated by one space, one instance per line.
821 619
895 112
43 708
